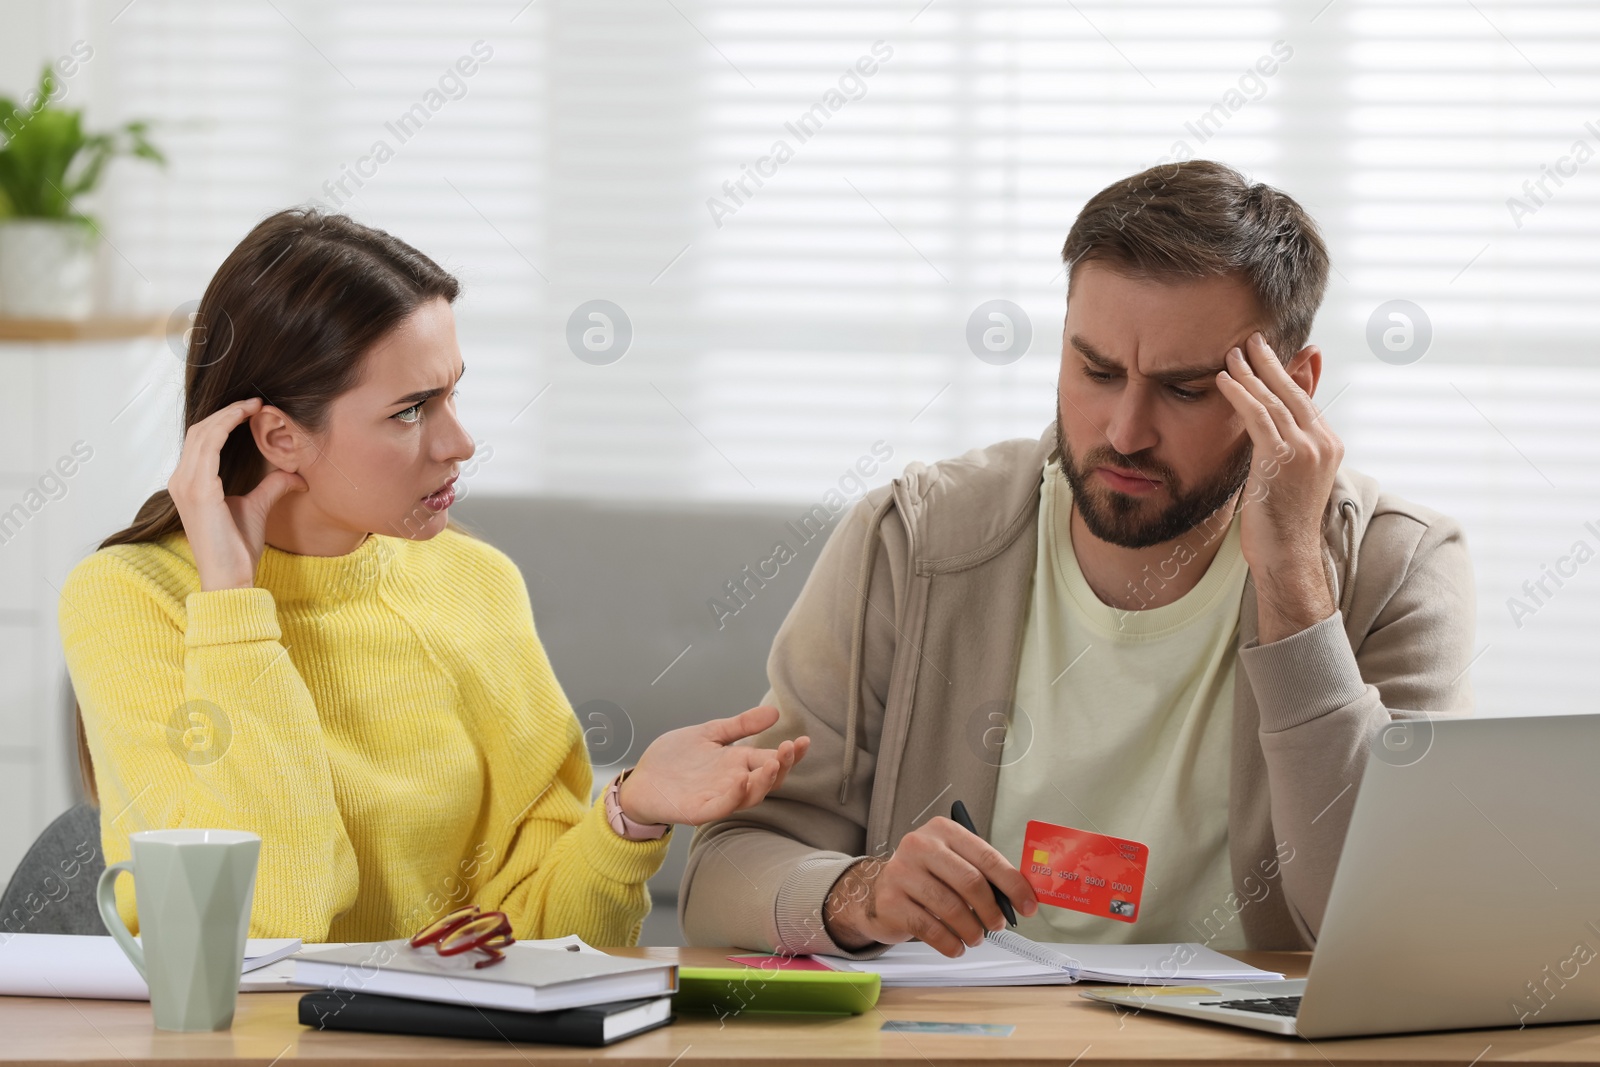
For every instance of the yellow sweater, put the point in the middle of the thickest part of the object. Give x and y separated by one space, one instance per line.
386 720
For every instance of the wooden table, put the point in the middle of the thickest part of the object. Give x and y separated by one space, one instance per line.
1053 1025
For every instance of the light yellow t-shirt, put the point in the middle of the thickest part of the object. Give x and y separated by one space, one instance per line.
1129 720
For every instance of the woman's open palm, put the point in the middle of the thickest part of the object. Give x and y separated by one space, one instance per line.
698 775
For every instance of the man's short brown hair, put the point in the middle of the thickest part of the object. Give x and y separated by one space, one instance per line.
1199 219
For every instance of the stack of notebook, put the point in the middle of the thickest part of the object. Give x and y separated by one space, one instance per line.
559 991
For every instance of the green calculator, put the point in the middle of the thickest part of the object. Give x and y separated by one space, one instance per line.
726 991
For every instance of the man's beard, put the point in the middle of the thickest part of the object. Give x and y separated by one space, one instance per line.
1118 517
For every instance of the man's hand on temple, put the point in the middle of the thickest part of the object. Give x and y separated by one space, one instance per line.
1296 457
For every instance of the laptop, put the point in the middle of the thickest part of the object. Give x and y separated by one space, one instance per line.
1467 894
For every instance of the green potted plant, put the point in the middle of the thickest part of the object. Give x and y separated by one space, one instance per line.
47 161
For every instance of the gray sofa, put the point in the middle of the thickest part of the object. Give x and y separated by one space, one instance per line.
620 591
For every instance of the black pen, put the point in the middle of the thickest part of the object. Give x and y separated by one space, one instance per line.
958 812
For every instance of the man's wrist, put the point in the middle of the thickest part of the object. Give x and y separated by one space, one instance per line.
843 906
1290 600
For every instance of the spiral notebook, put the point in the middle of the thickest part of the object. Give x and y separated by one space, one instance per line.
1007 958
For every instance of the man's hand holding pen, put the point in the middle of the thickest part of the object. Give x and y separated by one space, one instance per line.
938 887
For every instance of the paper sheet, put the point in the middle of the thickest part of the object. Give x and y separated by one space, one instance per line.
65 965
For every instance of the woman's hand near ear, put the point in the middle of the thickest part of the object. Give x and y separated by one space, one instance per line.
697 774
226 533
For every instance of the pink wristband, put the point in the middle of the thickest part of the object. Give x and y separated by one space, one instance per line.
624 826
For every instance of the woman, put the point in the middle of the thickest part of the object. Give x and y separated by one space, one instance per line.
293 639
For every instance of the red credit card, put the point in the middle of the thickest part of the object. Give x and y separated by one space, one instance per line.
1084 871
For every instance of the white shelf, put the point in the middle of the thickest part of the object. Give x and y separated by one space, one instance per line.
103 328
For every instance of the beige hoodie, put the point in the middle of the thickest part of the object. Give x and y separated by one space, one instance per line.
896 688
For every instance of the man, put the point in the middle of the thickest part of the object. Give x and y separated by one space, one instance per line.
1174 618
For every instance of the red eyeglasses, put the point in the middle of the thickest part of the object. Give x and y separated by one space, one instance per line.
466 929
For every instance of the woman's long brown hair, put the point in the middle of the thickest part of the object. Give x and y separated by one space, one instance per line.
287 317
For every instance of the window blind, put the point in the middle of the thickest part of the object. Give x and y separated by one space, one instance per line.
787 309
1470 191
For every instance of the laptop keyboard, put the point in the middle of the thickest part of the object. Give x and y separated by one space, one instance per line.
1286 1006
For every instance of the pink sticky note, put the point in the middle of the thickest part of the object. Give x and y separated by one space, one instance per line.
782 963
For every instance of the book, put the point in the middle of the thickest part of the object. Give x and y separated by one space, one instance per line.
534 976
1007 958
593 1025
93 966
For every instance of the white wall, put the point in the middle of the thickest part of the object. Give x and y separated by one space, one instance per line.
22 44
36 31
